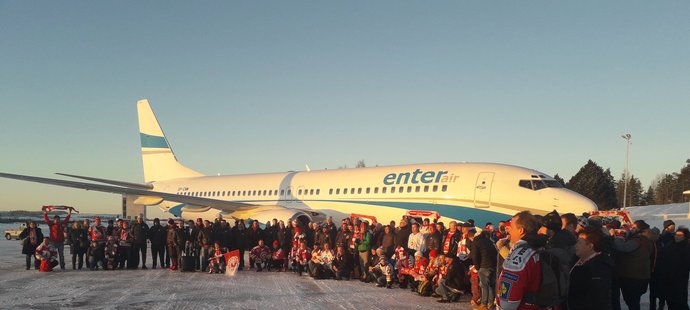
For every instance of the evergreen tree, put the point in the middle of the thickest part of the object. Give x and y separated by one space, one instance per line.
596 184
634 191
664 187
559 179
648 197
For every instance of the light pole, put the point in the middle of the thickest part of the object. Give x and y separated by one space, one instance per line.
627 137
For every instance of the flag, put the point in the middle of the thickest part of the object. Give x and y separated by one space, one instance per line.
232 262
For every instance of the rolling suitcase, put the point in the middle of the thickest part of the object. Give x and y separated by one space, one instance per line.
188 257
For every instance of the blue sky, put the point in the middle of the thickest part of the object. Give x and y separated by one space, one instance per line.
265 86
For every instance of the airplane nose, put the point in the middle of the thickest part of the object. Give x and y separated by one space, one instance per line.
572 202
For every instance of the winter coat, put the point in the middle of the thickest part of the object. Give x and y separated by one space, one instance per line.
158 235
433 242
451 243
388 243
633 257
180 237
673 269
343 238
57 233
79 241
483 252
171 235
29 247
343 263
205 238
590 284
455 275
402 235
140 233
365 242
240 237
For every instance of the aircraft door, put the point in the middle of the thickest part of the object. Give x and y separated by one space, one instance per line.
482 190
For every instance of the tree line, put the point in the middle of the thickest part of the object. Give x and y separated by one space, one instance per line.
599 185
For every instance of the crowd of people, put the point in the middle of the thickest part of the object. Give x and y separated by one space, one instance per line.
528 262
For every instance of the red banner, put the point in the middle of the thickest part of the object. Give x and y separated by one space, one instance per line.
232 262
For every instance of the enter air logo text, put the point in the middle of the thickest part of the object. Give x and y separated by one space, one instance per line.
418 176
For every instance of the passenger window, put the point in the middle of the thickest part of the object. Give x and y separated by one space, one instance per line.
337 191
289 192
401 189
311 191
376 190
444 188
345 191
426 188
409 189
435 188
368 190
318 191
330 191
352 191
416 189
392 189
383 190
359 190
299 192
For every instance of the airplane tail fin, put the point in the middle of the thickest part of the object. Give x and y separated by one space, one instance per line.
159 160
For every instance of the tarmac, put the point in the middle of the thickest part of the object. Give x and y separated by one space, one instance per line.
165 289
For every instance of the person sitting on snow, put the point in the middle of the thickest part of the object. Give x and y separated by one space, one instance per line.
278 258
384 272
47 254
259 255
217 261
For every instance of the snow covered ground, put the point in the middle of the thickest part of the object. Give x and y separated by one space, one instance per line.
163 289
653 214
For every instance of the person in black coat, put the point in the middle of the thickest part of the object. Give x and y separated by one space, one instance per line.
31 238
484 255
140 233
590 278
453 282
78 245
674 267
342 264
158 235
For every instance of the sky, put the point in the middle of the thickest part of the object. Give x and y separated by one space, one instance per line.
269 86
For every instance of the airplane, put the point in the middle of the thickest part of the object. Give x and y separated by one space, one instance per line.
484 192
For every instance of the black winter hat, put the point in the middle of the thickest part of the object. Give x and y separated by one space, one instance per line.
668 223
552 221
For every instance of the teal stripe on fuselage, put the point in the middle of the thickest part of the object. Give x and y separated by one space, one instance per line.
463 213
153 141
480 216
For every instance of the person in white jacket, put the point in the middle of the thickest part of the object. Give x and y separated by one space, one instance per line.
416 241
386 272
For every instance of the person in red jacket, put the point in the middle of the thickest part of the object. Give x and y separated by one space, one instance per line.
57 233
521 273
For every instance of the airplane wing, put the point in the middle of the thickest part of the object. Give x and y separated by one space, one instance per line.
223 205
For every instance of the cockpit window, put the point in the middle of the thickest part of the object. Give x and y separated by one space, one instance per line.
539 184
526 184
553 183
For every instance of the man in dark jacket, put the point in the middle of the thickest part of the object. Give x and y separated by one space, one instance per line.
484 255
140 232
181 236
452 283
342 264
633 264
402 234
158 236
451 239
31 238
205 241
433 240
388 241
590 278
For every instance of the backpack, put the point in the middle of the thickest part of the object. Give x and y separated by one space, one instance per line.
553 290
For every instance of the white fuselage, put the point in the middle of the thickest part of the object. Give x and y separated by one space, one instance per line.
484 192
